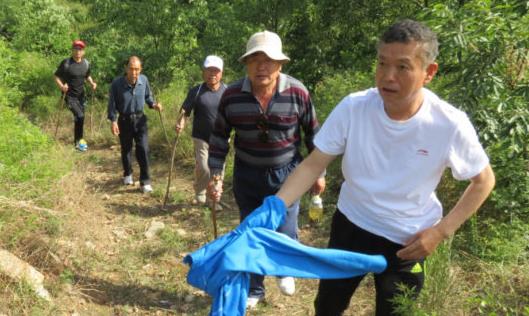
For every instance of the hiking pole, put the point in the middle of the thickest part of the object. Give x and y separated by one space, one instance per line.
216 180
92 114
59 115
164 130
172 165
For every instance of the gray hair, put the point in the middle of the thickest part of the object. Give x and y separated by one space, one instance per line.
406 31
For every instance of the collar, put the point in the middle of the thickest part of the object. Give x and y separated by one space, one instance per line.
283 84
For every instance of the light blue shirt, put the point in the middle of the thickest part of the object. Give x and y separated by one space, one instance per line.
128 99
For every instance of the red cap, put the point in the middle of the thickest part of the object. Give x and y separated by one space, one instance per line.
78 44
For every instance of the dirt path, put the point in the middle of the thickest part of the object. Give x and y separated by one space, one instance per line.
111 268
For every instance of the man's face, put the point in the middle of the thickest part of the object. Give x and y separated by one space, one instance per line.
401 73
262 70
133 71
212 76
77 53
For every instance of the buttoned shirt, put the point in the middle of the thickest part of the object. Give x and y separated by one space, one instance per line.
129 99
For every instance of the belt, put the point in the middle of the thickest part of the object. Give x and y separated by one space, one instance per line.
131 116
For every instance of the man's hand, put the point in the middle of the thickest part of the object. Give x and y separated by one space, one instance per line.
94 85
64 88
180 125
422 244
115 128
318 187
215 188
158 107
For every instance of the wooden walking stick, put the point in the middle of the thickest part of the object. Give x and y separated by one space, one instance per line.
216 180
59 114
92 114
172 165
164 130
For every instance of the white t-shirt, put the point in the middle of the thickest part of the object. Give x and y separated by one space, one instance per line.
391 168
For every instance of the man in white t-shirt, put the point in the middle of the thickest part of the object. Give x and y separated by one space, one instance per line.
396 141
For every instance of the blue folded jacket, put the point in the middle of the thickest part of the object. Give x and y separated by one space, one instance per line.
222 267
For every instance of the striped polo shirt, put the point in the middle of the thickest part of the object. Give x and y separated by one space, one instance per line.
289 111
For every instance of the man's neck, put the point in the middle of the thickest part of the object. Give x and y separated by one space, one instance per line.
77 60
214 87
267 91
404 112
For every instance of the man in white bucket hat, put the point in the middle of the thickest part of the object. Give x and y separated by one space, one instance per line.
203 101
268 110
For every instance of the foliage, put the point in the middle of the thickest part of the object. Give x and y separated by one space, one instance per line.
36 25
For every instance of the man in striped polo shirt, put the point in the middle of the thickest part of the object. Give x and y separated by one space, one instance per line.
267 109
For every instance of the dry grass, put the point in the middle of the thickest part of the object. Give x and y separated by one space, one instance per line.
97 261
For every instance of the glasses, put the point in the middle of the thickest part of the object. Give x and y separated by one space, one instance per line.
262 125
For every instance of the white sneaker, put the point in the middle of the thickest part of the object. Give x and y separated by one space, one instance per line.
200 199
128 180
287 285
146 188
252 302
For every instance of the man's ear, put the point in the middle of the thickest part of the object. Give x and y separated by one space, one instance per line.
431 70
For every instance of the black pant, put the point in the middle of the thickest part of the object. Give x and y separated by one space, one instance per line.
334 295
134 128
77 107
250 186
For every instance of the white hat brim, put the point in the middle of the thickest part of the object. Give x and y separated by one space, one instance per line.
274 55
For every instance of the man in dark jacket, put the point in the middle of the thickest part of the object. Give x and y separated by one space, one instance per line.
128 94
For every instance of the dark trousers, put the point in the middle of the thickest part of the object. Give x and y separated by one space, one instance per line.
134 128
77 107
250 186
334 295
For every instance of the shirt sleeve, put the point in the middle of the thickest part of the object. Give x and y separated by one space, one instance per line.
149 98
332 137
60 70
189 102
466 156
219 140
309 123
111 110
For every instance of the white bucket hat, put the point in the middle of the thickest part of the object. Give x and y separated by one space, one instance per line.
266 42
213 61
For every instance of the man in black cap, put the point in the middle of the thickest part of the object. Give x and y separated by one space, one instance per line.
70 77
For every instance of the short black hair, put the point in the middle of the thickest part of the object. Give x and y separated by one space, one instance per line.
408 30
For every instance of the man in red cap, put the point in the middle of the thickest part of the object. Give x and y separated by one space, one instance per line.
70 77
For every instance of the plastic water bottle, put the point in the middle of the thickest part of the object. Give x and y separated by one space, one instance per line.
316 208
83 146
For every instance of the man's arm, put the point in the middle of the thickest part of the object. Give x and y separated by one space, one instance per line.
62 86
302 178
310 126
425 242
218 150
112 111
91 82
187 108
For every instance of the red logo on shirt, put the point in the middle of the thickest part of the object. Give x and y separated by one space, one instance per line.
422 152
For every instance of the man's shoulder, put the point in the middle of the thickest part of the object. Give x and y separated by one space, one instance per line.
117 81
361 98
234 87
287 81
143 79
441 109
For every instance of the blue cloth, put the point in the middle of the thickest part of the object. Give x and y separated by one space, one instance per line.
127 99
221 268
